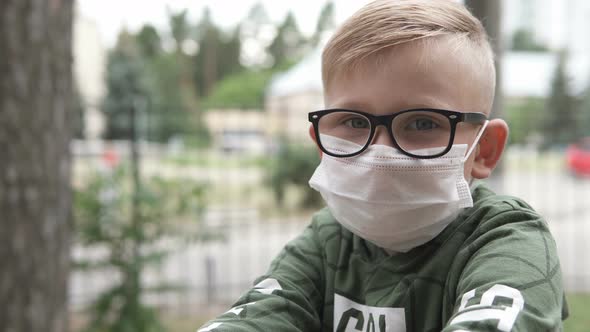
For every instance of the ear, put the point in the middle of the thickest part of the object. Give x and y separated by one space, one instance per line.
314 138
489 149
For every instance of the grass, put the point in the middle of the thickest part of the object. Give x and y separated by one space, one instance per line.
579 309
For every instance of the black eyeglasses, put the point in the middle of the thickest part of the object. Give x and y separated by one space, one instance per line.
418 133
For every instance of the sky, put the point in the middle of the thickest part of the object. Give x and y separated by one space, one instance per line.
112 15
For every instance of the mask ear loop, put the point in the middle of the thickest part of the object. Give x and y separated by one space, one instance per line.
483 128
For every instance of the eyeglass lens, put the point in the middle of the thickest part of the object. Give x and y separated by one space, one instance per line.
422 133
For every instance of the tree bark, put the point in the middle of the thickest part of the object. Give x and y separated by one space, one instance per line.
490 14
35 196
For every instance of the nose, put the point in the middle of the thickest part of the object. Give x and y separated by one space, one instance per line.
382 137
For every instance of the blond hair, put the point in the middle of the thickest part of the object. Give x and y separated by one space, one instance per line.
383 24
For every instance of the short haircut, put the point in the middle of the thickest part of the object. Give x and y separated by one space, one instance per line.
383 24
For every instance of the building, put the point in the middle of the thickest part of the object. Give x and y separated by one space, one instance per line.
293 94
238 131
89 69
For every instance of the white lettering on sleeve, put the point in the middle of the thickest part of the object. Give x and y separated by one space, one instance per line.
237 310
268 286
506 316
210 327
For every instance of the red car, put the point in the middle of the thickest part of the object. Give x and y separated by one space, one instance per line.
578 157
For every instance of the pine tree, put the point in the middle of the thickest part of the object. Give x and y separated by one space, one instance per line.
125 85
288 44
523 40
560 109
218 56
229 61
149 41
583 114
257 17
257 31
326 22
209 38
179 27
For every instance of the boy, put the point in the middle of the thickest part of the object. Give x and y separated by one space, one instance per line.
406 243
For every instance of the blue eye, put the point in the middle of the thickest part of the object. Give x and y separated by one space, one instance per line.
358 123
422 124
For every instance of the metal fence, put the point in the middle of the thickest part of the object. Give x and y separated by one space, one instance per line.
216 273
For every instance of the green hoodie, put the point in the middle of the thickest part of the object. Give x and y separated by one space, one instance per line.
495 268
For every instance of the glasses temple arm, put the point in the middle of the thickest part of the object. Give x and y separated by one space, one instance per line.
483 128
476 118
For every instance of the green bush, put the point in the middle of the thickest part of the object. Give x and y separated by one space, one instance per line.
243 90
294 165
128 222
524 117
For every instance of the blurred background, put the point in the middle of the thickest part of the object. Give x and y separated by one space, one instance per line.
185 170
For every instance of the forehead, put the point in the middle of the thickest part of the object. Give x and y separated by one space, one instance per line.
435 73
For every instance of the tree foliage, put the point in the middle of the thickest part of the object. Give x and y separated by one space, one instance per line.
244 90
149 41
167 112
218 56
257 32
241 91
126 85
523 40
583 114
326 22
288 44
523 117
179 27
140 71
206 67
294 165
103 214
560 110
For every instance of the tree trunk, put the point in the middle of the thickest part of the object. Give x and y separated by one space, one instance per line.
490 14
35 196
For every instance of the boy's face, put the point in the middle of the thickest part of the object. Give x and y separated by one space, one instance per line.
414 75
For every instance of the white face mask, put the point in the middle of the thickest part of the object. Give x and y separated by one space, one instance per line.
395 201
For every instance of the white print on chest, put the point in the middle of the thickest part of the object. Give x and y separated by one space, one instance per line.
350 316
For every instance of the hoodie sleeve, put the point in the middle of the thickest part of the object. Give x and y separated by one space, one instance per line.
288 298
512 280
